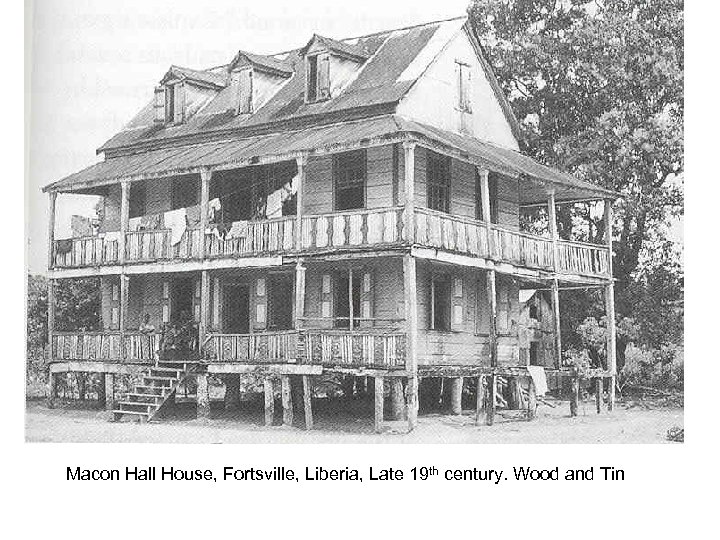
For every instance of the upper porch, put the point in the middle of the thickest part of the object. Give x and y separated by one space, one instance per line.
340 189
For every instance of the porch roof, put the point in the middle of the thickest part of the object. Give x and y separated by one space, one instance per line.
279 146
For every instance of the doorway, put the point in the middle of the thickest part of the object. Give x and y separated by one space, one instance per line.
280 299
236 309
181 307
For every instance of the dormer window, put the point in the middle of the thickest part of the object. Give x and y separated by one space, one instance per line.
318 77
254 79
170 103
242 83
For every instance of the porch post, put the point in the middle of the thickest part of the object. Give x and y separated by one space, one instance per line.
124 218
51 229
301 169
485 198
456 387
411 328
299 293
124 286
203 396
379 403
307 401
610 308
52 378
492 380
269 392
409 150
555 286
204 309
205 177
286 395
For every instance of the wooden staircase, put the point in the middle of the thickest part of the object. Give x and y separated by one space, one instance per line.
159 384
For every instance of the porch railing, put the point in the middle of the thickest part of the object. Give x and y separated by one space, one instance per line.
583 258
345 348
104 346
354 228
253 237
264 347
85 251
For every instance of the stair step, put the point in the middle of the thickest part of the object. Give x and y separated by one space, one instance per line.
135 413
139 395
123 404
162 368
157 378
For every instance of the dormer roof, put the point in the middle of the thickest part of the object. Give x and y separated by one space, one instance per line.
261 62
355 52
202 78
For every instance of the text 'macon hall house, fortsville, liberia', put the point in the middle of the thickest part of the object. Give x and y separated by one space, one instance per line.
349 208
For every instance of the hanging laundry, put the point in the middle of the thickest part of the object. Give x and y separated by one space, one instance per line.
81 226
539 380
214 208
239 229
134 224
273 207
150 222
193 215
176 221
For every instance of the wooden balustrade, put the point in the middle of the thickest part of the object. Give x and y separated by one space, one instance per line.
582 258
452 233
352 229
254 237
264 347
85 251
523 249
346 348
104 346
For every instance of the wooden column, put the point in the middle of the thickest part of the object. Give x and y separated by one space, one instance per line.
492 299
379 403
52 377
532 400
286 394
574 395
203 327
109 383
397 399
555 285
123 315
299 294
203 396
456 386
598 394
51 228
269 388
351 310
205 177
307 401
124 218
480 400
485 199
491 400
409 155
610 309
299 199
411 329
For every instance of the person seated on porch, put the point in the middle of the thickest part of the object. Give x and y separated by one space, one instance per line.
146 327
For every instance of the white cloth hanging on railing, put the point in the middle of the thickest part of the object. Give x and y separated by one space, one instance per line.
176 221
134 224
537 373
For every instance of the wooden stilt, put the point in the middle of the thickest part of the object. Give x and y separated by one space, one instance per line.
109 384
456 387
307 401
532 400
598 394
397 399
410 290
269 389
232 392
574 395
51 390
491 400
286 394
480 400
514 394
379 403
203 396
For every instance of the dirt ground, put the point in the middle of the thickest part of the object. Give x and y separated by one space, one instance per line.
631 422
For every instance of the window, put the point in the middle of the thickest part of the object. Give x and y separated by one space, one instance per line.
137 199
493 188
348 287
440 303
349 171
318 78
534 310
185 192
244 91
534 357
280 302
169 104
463 87
438 182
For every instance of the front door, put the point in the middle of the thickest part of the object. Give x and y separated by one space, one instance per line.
236 309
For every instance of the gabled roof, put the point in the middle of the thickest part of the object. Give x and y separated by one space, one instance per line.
376 87
352 51
216 80
262 62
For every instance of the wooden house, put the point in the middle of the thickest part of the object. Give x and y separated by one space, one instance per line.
349 207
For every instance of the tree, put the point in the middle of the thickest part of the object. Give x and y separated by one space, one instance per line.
597 87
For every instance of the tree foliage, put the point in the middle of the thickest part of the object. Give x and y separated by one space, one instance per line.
597 87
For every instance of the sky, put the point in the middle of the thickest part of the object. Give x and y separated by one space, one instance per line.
92 64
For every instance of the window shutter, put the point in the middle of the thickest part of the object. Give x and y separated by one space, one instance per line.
114 306
166 302
179 103
366 298
323 76
234 90
457 304
260 303
245 91
326 306
159 105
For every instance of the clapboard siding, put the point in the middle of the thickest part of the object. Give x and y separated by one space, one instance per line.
379 190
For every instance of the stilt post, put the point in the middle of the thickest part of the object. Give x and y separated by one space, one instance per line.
598 394
491 400
269 391
574 395
532 400
286 393
203 396
307 401
480 399
397 399
456 387
411 324
379 403
204 310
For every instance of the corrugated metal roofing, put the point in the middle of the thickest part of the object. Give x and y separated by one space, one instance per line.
262 60
207 77
179 160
